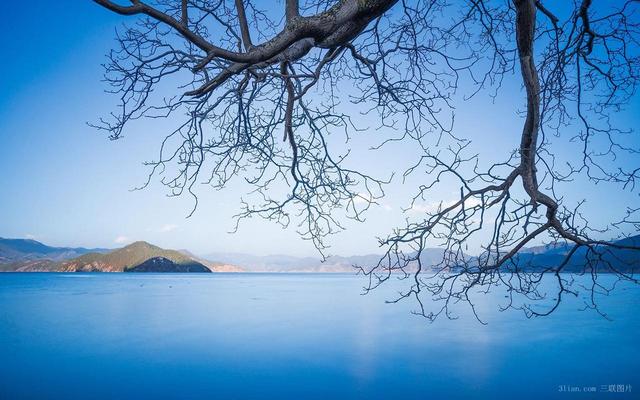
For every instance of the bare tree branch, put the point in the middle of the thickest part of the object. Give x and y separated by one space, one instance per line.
405 65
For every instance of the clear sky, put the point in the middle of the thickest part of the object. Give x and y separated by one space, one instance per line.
65 183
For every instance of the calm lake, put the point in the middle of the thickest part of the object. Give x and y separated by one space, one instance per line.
295 336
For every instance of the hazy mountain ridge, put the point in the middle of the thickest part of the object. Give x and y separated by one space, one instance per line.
533 258
214 266
13 250
624 260
270 263
286 263
24 255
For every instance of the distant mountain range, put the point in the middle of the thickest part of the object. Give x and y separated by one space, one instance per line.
285 263
30 256
540 257
12 250
25 255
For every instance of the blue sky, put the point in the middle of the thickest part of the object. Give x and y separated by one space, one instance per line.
65 183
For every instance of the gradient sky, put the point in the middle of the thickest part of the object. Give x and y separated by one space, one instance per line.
65 183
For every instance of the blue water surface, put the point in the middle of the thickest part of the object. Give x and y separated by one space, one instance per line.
295 336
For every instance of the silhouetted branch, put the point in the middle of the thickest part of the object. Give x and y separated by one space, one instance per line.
241 78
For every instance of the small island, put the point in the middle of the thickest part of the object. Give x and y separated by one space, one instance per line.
162 264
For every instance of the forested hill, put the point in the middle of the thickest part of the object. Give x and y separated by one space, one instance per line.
36 257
